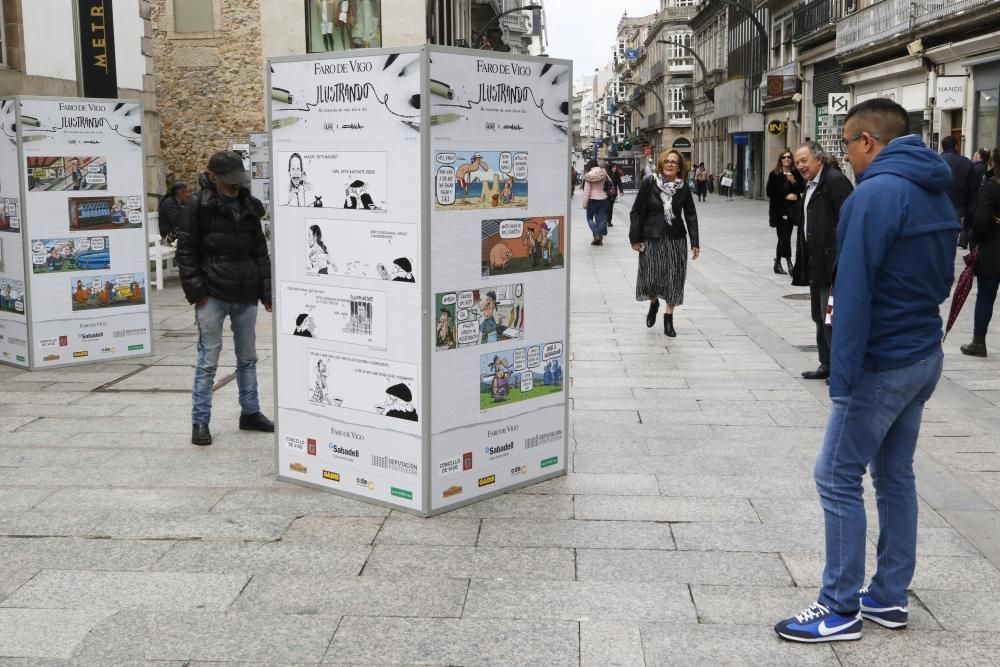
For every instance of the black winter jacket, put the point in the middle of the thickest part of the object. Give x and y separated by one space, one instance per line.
221 253
963 179
169 214
986 229
646 217
818 248
777 189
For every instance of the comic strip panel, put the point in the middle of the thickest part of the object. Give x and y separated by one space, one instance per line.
341 314
96 213
362 249
77 254
108 291
52 174
340 382
12 296
466 180
479 316
10 216
520 374
344 180
519 245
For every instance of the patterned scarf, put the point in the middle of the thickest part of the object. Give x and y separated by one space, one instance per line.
667 192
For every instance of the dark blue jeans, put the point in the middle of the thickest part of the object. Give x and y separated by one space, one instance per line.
876 427
986 296
243 321
597 216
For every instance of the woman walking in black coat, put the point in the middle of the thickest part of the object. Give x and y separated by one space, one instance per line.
662 218
784 187
986 237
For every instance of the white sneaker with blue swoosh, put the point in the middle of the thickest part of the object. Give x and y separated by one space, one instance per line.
819 624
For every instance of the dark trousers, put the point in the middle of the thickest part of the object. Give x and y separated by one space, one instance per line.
818 297
986 296
784 247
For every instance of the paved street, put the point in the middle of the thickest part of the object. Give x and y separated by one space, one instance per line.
689 523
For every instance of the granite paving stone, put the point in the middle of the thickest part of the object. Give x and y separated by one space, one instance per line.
960 611
757 537
486 642
16 500
565 533
597 484
970 649
296 501
333 530
64 553
610 644
415 595
227 556
683 567
44 633
518 506
13 578
664 508
939 573
579 601
112 591
191 525
705 645
132 500
402 528
544 564
781 487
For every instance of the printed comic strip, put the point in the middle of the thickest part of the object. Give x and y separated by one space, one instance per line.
12 296
362 249
97 213
520 374
52 174
465 180
10 217
479 316
519 245
108 291
345 180
64 255
376 386
345 315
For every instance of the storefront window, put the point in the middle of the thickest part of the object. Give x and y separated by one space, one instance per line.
341 25
986 118
829 131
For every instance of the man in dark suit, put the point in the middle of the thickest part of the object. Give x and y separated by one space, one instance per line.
826 190
964 183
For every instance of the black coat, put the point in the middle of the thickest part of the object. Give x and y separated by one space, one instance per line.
963 179
169 215
221 253
683 208
818 248
777 189
986 229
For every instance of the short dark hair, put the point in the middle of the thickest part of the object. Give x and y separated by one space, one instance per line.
882 118
177 188
984 154
948 143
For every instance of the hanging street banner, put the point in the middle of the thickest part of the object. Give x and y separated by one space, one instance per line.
97 48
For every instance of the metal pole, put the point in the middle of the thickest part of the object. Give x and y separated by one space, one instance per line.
694 54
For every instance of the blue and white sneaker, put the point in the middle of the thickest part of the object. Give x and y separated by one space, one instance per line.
885 615
818 624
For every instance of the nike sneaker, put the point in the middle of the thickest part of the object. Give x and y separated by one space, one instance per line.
885 615
819 624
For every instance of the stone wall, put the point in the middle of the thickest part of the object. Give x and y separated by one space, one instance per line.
210 87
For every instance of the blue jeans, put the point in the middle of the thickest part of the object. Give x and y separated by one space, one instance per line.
242 320
876 426
597 216
986 296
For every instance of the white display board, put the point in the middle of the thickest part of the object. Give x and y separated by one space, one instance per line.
73 232
420 202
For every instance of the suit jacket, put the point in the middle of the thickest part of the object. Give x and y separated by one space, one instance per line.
818 247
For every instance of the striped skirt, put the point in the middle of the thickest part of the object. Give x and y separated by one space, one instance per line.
662 271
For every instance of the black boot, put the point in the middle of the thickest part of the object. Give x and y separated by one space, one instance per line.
777 266
977 348
788 260
668 324
654 306
200 435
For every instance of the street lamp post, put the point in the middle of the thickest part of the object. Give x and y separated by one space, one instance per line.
477 36
694 54
757 24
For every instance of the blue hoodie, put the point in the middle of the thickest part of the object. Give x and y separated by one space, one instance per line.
895 264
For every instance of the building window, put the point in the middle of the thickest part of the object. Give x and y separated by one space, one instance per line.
986 119
193 16
676 106
3 38
341 25
683 3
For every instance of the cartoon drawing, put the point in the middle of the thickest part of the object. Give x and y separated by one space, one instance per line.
480 316
475 184
402 270
12 296
10 219
297 184
398 403
363 249
320 391
520 374
108 291
304 325
318 201
517 245
361 317
326 312
319 179
319 261
76 254
358 191
376 387
54 174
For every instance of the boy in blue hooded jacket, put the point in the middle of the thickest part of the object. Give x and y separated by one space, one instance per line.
895 265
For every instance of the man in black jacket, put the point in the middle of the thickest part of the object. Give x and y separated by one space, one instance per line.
963 182
169 212
826 190
225 270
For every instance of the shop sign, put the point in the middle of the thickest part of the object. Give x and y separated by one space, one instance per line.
949 93
741 138
682 143
838 103
97 49
775 86
776 126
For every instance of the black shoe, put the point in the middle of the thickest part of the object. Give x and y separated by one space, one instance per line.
651 315
200 435
820 373
668 325
777 266
788 260
256 422
977 348
611 224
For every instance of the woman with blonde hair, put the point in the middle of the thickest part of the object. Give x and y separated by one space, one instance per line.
662 218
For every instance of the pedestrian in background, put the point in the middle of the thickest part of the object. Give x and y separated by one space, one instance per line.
826 190
662 217
595 201
963 182
225 270
169 211
896 262
613 187
784 188
980 165
726 182
701 181
985 237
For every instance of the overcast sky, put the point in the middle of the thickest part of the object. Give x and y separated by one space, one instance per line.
585 32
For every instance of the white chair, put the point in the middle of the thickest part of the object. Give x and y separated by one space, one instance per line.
159 252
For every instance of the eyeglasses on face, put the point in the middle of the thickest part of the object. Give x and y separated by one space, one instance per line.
786 157
844 142
671 162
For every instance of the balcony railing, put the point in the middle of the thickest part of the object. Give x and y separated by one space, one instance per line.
881 22
678 13
813 16
790 80
678 118
931 11
516 23
680 66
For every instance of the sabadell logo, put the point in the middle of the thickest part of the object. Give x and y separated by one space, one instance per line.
343 451
500 449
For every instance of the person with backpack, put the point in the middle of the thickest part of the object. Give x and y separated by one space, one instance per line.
985 236
595 201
